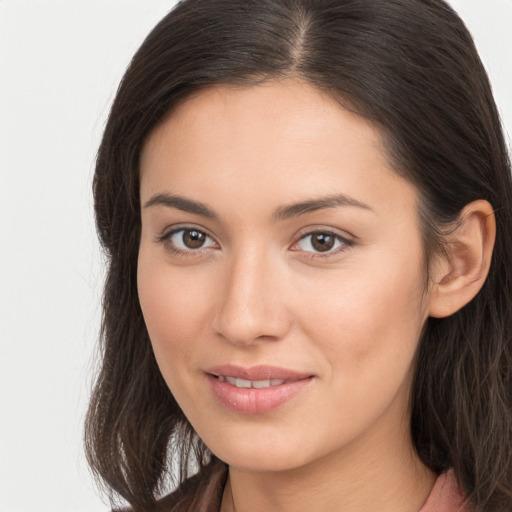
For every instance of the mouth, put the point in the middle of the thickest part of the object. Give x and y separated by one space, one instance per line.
255 374
247 384
256 390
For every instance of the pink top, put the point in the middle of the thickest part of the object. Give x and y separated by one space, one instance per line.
446 496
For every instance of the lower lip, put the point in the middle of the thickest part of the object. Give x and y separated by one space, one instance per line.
256 400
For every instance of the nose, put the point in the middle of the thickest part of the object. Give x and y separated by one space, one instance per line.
252 302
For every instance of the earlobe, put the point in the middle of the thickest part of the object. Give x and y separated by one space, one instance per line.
460 274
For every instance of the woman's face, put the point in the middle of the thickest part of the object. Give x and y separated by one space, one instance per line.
281 275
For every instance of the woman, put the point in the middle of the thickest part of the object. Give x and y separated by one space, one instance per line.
306 208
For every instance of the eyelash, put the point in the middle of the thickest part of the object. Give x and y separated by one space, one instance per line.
165 239
344 243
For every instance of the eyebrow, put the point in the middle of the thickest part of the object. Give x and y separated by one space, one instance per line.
280 214
181 203
333 201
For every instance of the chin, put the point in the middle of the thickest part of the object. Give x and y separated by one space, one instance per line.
265 450
256 460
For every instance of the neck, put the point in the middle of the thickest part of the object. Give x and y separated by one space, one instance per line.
380 471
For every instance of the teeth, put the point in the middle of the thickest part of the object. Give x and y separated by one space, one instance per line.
261 384
244 383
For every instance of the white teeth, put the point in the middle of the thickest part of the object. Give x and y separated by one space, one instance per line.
261 383
244 383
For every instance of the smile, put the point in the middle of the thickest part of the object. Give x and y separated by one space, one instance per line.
245 383
255 390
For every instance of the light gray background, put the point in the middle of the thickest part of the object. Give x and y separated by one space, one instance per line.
60 63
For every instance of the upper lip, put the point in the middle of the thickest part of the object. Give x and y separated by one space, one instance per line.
255 373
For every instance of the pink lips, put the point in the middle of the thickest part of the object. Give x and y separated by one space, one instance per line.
270 387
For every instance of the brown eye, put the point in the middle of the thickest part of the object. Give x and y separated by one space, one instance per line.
193 239
187 240
321 242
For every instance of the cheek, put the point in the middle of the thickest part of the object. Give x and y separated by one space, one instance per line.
174 315
366 327
368 320
174 311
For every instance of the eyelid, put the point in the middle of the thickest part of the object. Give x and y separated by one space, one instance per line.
319 228
347 241
170 231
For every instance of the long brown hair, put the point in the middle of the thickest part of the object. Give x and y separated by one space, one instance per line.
409 66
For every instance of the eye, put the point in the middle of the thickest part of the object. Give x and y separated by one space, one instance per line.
186 240
321 242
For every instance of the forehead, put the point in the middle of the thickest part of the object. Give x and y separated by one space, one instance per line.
295 107
283 137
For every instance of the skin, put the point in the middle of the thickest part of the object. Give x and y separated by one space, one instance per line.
257 292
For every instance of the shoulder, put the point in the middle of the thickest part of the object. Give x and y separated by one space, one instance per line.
446 496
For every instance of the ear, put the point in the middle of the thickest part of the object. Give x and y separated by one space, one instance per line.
460 275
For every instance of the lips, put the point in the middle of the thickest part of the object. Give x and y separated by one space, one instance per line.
255 390
256 373
245 383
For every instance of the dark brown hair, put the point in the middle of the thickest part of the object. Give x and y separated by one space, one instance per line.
409 66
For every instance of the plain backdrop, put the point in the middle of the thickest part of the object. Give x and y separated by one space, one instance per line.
60 64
